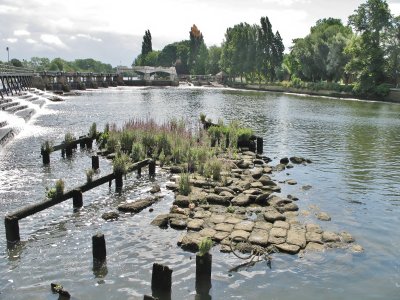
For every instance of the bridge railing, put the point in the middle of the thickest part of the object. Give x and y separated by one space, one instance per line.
8 69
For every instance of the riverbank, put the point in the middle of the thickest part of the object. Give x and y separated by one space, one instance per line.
393 97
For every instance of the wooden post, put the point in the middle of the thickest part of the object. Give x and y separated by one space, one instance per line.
161 281
152 168
99 247
12 229
77 199
68 151
203 273
89 143
260 146
147 297
139 172
46 157
95 162
119 182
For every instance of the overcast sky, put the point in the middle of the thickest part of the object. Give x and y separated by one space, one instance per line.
112 31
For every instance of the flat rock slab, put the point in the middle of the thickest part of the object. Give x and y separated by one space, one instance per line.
288 248
346 237
278 232
276 240
259 237
207 232
233 220
178 223
190 241
244 235
291 182
195 224
161 221
137 206
329 236
202 214
315 247
171 186
220 235
313 237
244 225
282 224
263 225
296 237
241 200
181 201
109 216
262 199
323 216
216 219
313 228
217 199
272 215
224 227
155 189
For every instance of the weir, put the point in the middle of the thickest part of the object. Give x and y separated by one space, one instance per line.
14 80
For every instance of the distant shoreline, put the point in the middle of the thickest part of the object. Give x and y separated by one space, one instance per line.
393 97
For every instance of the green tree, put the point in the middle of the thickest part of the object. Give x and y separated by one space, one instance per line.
214 57
369 20
198 51
146 44
392 50
168 55
16 63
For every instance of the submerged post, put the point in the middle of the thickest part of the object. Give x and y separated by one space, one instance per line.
119 182
99 247
203 273
46 157
95 162
77 199
12 229
260 145
161 281
152 168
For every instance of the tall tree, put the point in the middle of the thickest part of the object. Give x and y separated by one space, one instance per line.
146 44
392 50
214 57
198 52
370 20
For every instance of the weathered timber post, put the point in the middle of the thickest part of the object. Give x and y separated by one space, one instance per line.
139 172
12 229
252 146
77 199
68 150
119 182
89 143
81 143
203 273
99 247
95 162
147 297
46 157
161 281
260 145
152 168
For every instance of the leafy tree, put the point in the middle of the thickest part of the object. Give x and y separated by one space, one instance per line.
182 54
369 20
146 44
198 51
16 62
168 55
392 50
214 57
320 55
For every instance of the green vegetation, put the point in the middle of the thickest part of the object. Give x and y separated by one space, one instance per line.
205 246
184 184
87 65
47 146
120 164
69 138
89 175
93 131
56 191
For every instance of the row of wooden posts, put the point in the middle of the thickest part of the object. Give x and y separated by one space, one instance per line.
161 280
11 221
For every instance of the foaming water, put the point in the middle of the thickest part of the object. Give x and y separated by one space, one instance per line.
354 146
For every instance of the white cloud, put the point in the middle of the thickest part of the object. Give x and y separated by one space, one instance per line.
89 37
21 32
394 8
30 41
286 2
6 9
11 40
52 40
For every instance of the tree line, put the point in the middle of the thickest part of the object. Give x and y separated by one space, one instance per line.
363 54
41 64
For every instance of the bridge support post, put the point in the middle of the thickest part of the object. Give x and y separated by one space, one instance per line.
12 229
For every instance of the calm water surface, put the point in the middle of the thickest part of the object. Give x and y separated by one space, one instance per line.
355 176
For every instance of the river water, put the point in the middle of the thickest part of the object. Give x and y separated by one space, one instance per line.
355 177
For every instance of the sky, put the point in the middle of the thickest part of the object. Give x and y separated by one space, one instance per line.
112 31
